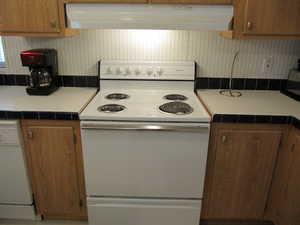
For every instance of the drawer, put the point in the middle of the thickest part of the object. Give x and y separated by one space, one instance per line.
116 211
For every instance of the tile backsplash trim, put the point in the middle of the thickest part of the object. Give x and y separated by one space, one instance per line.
241 83
201 83
62 81
79 55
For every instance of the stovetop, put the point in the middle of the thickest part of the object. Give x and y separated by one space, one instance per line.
144 105
146 91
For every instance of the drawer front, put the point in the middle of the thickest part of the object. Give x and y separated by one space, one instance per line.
143 211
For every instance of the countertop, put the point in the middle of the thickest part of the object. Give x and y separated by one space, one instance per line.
257 103
65 99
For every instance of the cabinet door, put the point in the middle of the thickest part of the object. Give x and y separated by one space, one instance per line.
241 169
53 165
108 1
272 17
29 16
284 202
219 2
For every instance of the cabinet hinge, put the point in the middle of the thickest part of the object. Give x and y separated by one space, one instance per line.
74 139
80 203
280 143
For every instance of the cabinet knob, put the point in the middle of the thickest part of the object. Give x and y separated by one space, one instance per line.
224 139
30 134
293 148
53 24
249 26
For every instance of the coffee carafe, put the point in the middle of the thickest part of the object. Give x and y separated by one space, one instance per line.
43 69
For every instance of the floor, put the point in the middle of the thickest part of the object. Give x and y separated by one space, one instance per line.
49 222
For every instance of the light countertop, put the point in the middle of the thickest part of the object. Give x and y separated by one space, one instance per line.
270 103
65 99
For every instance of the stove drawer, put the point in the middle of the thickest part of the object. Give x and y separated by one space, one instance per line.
111 211
154 162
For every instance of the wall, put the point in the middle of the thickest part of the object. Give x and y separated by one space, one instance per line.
79 55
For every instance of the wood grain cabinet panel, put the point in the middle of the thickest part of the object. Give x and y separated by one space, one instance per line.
106 1
211 2
156 1
272 17
56 168
29 16
265 19
240 168
284 202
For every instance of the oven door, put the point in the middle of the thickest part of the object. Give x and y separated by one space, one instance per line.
155 160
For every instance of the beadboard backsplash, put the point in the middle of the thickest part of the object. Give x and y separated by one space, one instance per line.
79 55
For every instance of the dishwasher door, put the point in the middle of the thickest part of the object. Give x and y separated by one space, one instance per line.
14 188
153 160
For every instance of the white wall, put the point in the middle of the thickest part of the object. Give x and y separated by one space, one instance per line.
79 55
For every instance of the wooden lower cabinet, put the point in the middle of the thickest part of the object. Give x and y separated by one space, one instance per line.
208 2
284 202
241 163
54 155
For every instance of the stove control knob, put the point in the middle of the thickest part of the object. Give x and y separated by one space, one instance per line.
119 70
160 71
149 71
137 71
109 70
127 71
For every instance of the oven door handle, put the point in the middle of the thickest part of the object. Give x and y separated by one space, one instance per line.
146 127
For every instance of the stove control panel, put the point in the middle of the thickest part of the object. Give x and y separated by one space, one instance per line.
147 70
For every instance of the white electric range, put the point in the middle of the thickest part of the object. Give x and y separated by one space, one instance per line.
145 139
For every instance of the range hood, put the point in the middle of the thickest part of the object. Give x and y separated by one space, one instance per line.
148 16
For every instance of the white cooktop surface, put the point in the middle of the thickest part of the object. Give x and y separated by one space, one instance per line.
143 105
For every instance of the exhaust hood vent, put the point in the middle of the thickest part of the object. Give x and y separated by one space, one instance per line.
147 16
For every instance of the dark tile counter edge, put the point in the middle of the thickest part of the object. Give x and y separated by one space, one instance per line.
62 81
263 119
10 115
291 95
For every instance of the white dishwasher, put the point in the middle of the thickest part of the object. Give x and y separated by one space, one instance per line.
15 194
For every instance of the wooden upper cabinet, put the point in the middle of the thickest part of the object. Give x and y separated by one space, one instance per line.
29 16
272 17
34 18
284 201
56 169
240 168
212 2
156 1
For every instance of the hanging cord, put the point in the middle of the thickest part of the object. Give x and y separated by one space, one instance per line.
230 91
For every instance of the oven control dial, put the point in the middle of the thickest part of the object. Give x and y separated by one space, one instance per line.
127 71
109 70
119 70
149 71
160 71
137 71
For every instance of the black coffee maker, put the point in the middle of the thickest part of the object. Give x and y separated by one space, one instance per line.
43 69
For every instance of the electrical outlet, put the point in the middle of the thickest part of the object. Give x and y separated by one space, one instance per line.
267 65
